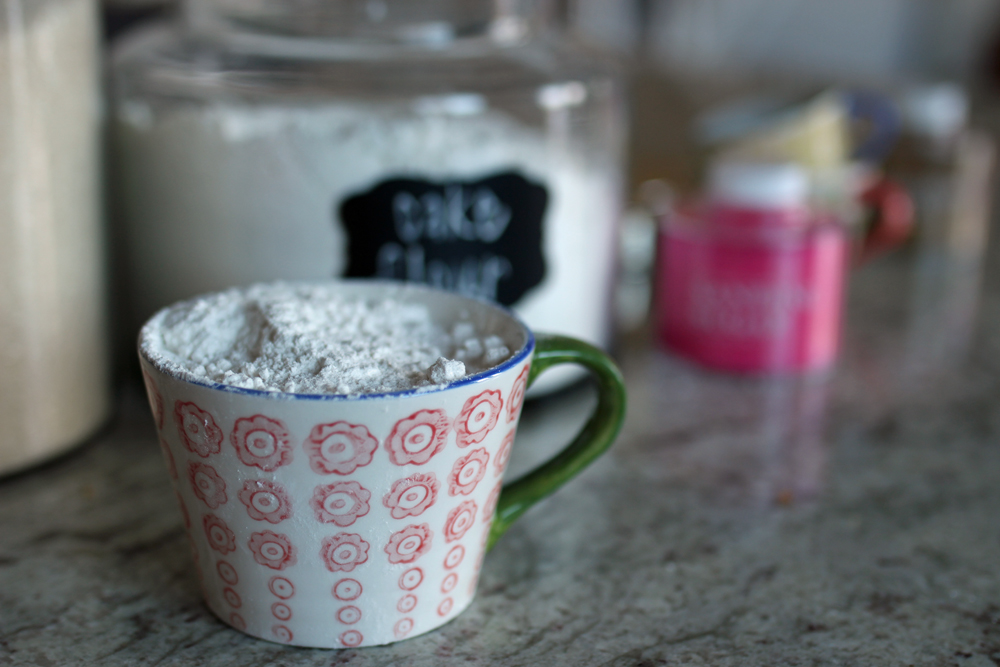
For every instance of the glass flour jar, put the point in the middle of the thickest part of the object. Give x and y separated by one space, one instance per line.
458 143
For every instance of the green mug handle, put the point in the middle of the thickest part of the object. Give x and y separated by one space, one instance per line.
593 440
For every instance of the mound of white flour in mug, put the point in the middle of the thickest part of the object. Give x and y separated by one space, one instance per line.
310 339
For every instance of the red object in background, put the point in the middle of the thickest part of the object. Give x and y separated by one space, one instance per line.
892 217
752 282
763 296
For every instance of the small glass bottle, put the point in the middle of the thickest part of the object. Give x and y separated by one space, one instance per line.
459 143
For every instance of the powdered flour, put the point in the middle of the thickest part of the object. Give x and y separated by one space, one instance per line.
312 339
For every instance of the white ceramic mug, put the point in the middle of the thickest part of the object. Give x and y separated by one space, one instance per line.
340 521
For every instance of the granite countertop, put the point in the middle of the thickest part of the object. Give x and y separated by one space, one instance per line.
849 520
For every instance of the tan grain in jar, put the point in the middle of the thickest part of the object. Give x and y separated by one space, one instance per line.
53 363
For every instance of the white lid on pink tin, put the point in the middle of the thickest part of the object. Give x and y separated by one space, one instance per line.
758 185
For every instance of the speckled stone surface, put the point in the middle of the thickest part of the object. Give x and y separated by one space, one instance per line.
853 520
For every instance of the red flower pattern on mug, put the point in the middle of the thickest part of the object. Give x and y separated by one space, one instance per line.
445 607
281 587
349 615
261 442
282 633
168 456
478 417
265 500
281 611
411 579
340 448
344 551
454 557
227 573
155 399
407 603
340 503
503 456
232 598
459 521
403 627
347 590
467 472
516 397
198 430
219 536
412 495
409 544
417 438
351 638
208 487
273 550
491 502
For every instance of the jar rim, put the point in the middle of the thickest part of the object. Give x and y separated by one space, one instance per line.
431 23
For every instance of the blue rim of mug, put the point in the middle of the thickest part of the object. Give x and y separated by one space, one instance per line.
523 353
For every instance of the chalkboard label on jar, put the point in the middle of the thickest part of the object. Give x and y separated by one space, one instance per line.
479 238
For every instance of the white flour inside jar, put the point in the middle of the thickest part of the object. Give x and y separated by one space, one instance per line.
226 194
314 339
